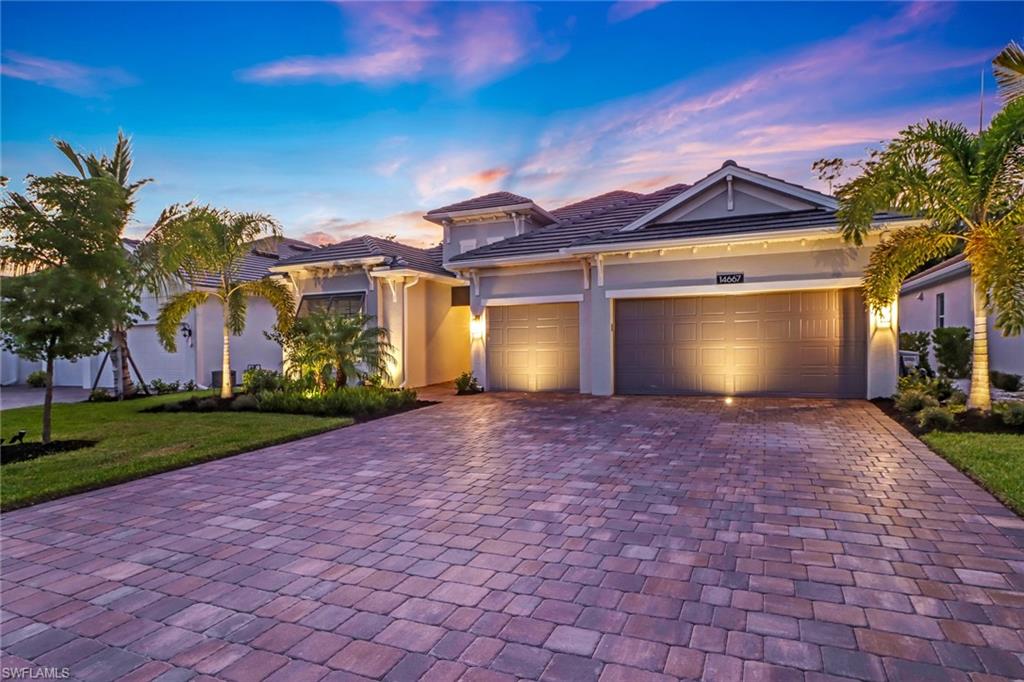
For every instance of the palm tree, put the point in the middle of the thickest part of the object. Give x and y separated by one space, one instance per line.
969 188
147 267
346 344
210 244
1008 67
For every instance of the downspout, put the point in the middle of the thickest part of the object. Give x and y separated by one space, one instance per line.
405 329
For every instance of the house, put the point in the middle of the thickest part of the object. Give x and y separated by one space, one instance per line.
200 341
940 296
407 290
737 284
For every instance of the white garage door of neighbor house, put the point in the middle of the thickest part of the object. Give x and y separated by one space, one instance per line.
153 361
68 372
533 347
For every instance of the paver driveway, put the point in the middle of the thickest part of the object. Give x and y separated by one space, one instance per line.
563 538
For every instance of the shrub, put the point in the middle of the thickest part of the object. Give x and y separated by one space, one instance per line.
940 388
160 387
262 380
958 398
245 402
172 407
920 343
36 379
953 348
100 395
348 401
190 386
914 400
1010 411
935 418
1005 382
467 383
208 405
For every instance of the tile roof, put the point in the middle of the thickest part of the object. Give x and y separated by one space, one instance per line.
742 224
257 263
492 200
608 214
399 255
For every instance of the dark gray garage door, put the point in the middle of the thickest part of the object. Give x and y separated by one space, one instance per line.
533 347
809 343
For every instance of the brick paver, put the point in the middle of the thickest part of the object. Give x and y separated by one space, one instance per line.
554 537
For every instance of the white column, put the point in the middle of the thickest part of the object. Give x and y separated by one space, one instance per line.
883 351
478 343
601 343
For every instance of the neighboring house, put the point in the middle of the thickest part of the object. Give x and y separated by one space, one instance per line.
738 284
424 307
941 297
200 341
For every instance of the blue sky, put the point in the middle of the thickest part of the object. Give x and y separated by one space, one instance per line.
344 119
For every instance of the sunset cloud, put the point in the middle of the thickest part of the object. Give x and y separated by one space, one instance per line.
73 78
627 9
467 45
409 227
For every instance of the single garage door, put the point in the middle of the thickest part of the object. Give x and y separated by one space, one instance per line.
533 347
808 343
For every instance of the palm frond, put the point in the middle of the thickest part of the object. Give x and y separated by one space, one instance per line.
279 295
69 151
996 255
1008 69
1001 166
236 305
895 258
173 312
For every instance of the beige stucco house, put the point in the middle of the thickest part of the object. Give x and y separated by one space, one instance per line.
738 284
941 297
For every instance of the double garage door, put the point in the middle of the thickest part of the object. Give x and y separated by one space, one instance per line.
809 343
806 343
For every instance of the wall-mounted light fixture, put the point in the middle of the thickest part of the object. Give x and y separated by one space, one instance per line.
476 327
186 333
883 317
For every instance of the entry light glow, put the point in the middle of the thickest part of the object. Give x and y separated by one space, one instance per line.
883 317
728 400
476 327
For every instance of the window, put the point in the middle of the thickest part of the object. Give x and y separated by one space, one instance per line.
339 304
940 311
466 245
460 296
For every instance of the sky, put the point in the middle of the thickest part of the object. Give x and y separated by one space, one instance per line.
342 119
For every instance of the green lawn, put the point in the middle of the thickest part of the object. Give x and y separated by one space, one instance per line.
133 444
996 460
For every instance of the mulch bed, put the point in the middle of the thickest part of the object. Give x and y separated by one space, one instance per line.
22 452
972 421
218 404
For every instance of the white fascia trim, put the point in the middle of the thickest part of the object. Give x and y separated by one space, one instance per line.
713 240
470 212
345 262
735 289
950 272
410 272
531 300
736 172
550 257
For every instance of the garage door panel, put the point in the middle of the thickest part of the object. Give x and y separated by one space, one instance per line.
801 343
533 347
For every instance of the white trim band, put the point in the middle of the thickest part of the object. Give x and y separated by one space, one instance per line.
532 300
735 289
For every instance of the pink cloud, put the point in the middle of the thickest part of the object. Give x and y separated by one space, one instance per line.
409 228
627 9
407 42
456 176
77 79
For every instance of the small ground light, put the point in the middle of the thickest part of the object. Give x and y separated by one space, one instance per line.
728 400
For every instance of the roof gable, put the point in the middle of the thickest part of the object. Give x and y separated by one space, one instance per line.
760 190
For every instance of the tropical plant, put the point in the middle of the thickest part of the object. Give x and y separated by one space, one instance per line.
1011 412
968 190
209 245
466 384
322 344
953 351
61 241
259 380
920 343
1008 67
1006 381
935 418
148 267
914 400
36 379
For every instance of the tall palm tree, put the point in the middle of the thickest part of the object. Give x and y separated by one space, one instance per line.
210 244
970 190
1008 67
148 269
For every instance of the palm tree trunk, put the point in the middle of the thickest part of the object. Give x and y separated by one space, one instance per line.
980 397
120 351
339 375
225 379
48 400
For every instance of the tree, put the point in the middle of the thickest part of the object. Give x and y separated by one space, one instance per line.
209 245
147 268
344 345
1008 67
969 190
61 240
